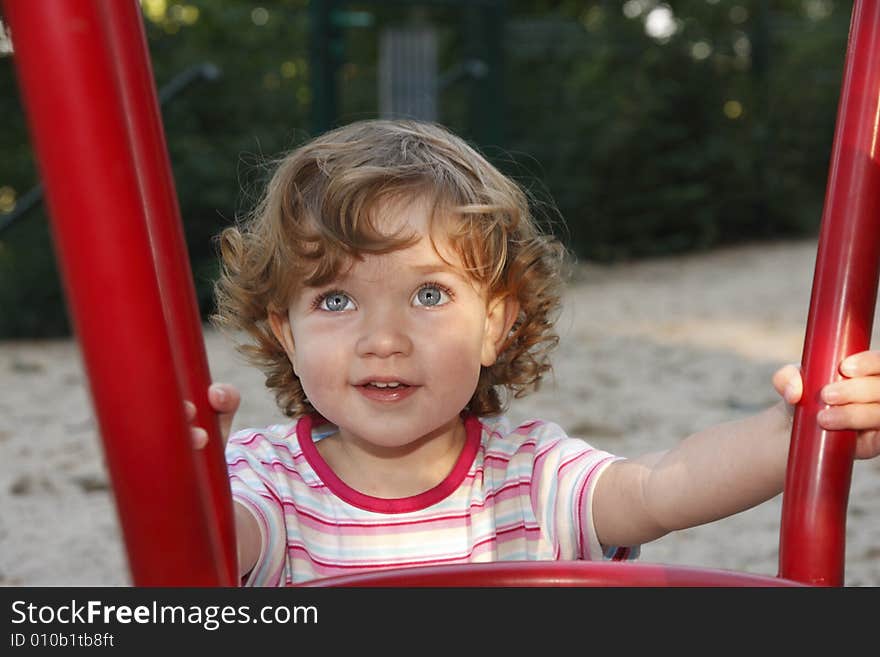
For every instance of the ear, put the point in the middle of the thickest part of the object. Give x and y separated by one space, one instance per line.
280 325
500 316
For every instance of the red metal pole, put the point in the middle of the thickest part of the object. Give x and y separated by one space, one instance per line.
841 315
128 41
78 127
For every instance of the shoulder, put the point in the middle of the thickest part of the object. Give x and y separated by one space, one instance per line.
534 440
502 432
271 439
268 456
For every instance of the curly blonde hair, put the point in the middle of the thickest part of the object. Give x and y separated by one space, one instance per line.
318 213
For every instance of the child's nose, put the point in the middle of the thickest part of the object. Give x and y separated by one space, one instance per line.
384 334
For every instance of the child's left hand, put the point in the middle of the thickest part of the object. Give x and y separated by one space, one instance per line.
224 399
853 402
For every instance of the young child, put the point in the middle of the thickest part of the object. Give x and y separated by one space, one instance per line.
397 292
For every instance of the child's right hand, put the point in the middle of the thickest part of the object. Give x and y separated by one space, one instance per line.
225 399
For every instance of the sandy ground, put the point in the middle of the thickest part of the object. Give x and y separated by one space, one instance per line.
650 352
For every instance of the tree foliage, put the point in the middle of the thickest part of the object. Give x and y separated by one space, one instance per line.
652 128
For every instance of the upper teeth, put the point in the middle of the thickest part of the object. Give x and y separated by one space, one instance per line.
380 384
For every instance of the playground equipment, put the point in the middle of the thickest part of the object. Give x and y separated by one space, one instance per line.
87 85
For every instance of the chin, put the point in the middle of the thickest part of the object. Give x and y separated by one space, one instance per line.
392 431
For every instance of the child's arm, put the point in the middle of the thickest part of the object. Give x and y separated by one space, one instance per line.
247 535
225 399
730 467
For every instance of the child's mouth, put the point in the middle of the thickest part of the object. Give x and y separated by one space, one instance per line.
383 391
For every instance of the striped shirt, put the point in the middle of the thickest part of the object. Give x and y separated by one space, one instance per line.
515 493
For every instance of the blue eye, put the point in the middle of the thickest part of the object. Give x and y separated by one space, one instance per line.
431 295
335 302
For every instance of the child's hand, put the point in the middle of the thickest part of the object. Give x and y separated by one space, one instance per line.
224 399
853 403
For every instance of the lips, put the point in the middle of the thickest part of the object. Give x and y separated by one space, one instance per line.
385 389
383 381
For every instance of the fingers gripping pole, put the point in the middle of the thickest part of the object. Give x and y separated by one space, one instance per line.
840 317
78 127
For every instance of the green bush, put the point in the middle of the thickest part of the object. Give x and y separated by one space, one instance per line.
719 133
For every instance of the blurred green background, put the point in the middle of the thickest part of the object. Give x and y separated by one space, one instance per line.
653 128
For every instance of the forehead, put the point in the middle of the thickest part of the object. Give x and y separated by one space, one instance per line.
425 229
430 254
404 216
414 233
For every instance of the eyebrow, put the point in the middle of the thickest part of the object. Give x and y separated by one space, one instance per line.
422 270
434 268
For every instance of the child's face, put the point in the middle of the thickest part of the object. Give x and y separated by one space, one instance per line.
407 318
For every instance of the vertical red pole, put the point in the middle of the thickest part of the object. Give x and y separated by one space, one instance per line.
128 41
840 318
78 127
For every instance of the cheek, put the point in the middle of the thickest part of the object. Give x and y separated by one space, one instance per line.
319 360
456 372
454 350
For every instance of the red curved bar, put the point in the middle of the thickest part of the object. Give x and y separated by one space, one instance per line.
128 41
551 573
840 318
78 127
97 188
